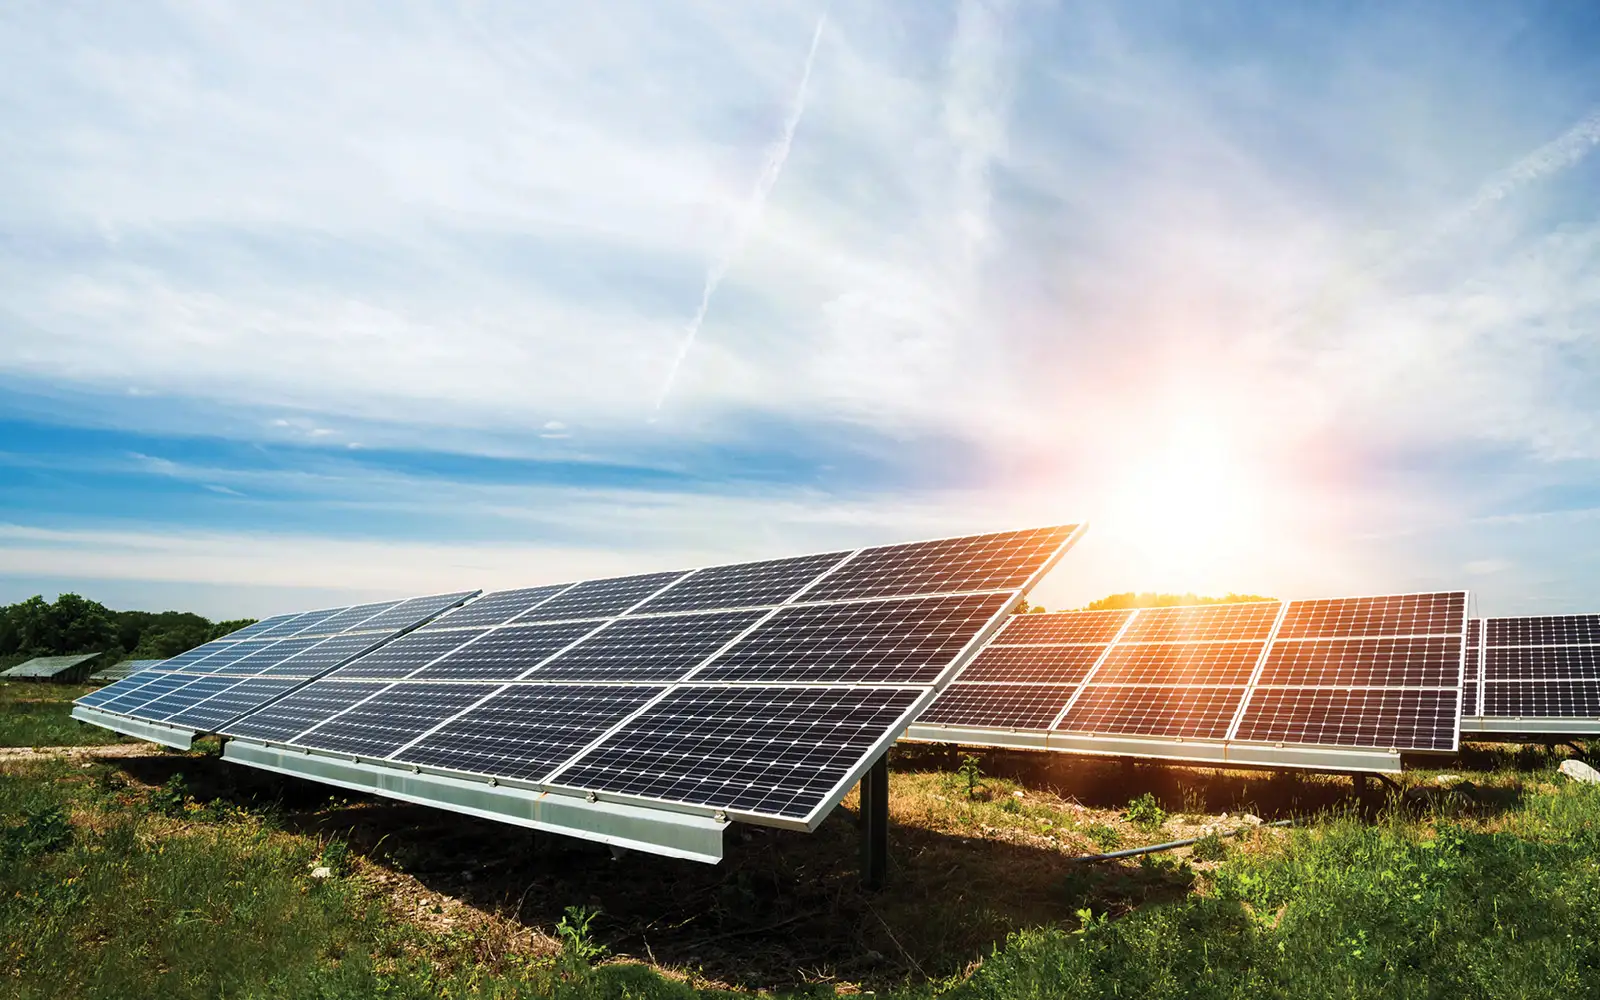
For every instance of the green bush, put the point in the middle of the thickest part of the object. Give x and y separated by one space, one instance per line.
1146 813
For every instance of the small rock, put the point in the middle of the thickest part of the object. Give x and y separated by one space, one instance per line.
1577 770
322 871
467 876
1018 794
1447 779
1250 819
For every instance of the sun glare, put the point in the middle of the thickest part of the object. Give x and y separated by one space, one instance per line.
1190 508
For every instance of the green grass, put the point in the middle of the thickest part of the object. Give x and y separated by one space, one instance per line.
118 883
39 714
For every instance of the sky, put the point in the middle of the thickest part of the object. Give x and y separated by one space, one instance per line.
303 303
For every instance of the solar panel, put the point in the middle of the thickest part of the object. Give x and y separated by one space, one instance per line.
197 690
1227 676
408 653
524 731
1004 706
411 612
773 751
297 624
647 650
497 608
294 713
1538 674
226 655
1004 560
258 660
1033 664
348 618
746 585
320 655
142 694
251 631
240 697
505 653
599 598
746 689
905 641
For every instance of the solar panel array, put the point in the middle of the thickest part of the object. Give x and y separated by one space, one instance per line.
1369 672
1535 671
761 689
200 689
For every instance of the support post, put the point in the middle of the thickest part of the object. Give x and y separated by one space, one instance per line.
1367 794
874 820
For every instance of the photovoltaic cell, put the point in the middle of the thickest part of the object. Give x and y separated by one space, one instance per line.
1542 663
408 613
258 661
497 608
392 718
1215 622
1032 664
346 619
1000 706
885 642
296 712
1201 664
298 623
145 693
1434 661
1404 614
119 689
775 751
242 696
504 653
1405 719
1542 700
251 631
1000 561
744 585
173 702
599 598
224 659
1469 698
322 655
1096 627
410 652
526 730
190 660
1190 712
1552 630
647 649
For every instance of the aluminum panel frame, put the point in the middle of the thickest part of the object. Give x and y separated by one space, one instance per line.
176 737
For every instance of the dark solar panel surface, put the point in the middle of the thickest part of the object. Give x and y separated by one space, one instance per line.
1198 664
1221 622
1000 561
384 723
1032 664
648 650
526 730
1469 698
118 689
600 598
1003 706
241 697
408 653
744 585
299 711
777 751
1408 719
1553 630
349 618
504 653
298 623
409 612
1542 663
251 631
190 660
322 655
1405 614
129 701
223 659
198 689
1125 710
497 608
1097 627
261 659
1542 699
887 642
1434 661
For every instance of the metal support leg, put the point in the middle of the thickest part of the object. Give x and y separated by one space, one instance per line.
875 824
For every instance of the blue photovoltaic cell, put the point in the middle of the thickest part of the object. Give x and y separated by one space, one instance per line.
418 609
348 619
497 608
408 653
242 696
264 625
1002 561
394 717
325 654
646 650
126 703
504 653
294 713
745 585
185 697
261 659
600 598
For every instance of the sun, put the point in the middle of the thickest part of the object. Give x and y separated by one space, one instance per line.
1190 509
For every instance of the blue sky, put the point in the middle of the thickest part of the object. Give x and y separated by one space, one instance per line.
300 303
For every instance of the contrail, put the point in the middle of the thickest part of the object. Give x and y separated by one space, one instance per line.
771 167
1558 154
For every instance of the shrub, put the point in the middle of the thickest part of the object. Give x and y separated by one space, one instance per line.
1146 813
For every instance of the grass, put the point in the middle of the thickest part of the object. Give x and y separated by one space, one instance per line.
182 876
38 714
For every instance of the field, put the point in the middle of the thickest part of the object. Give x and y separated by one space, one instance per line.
138 872
35 714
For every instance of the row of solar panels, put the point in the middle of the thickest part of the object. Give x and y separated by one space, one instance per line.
758 691
648 710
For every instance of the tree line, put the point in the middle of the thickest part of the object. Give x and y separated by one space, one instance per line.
74 624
